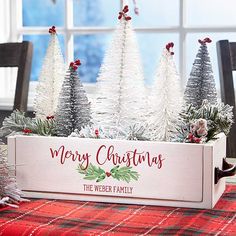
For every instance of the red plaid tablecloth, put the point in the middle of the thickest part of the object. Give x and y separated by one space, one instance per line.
57 217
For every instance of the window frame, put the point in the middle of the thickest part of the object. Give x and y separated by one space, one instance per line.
17 30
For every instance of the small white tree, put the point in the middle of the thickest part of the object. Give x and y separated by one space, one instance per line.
166 98
50 79
120 100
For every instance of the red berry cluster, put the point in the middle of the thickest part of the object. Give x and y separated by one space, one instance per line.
204 41
52 30
123 13
27 131
193 139
169 46
74 65
50 117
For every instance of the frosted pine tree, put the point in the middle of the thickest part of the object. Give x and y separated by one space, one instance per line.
201 83
50 79
10 195
73 110
166 98
120 100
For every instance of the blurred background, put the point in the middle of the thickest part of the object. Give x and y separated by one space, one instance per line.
85 28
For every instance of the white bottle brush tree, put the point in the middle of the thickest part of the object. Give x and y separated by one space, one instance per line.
73 111
166 98
201 84
50 79
120 100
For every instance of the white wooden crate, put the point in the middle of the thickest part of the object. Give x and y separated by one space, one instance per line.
170 174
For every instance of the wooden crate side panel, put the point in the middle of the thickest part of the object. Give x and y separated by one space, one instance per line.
208 176
179 177
219 152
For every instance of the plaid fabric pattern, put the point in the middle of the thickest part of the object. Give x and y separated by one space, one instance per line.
68 218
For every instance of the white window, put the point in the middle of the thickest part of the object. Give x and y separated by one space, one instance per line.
85 27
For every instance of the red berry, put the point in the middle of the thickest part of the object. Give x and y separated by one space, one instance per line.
96 132
207 40
125 10
127 18
172 53
172 44
126 6
78 62
71 64
50 117
190 136
108 174
75 67
200 41
119 17
52 30
27 131
197 140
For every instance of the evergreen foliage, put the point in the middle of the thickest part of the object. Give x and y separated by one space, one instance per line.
219 118
17 122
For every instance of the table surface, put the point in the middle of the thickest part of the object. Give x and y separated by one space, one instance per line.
57 217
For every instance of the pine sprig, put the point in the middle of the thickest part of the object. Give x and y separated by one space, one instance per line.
17 122
124 173
137 132
45 127
92 172
97 173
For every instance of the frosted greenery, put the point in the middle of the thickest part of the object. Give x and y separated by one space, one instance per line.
120 95
73 112
166 99
10 195
201 83
50 80
17 122
219 118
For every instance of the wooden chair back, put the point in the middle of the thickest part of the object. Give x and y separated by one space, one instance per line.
226 52
18 55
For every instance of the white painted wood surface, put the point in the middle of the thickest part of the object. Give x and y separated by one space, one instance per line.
183 175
